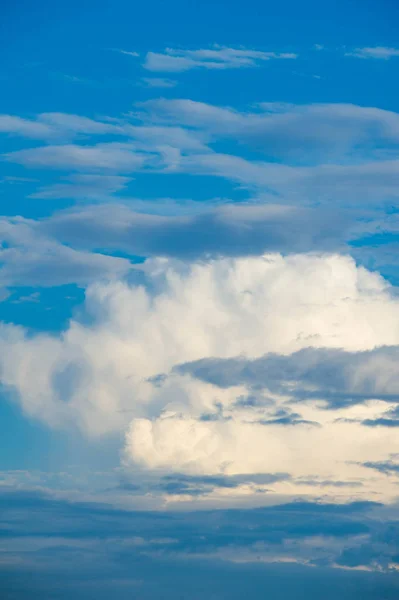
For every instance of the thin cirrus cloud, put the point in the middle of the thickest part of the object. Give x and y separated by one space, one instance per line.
216 58
378 52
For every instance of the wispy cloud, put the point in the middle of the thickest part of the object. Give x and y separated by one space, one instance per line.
29 258
292 132
380 52
218 57
110 157
127 52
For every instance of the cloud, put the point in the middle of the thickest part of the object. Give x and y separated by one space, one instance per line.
379 52
129 53
218 57
19 126
99 373
388 467
348 149
53 125
28 258
336 376
181 484
226 230
373 182
389 418
109 156
59 127
308 133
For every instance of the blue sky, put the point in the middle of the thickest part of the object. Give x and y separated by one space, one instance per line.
198 300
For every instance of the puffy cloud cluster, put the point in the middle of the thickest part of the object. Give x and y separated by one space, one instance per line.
114 370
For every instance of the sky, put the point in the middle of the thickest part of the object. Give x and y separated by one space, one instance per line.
199 308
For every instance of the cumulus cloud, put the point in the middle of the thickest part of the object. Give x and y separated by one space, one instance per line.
218 57
99 374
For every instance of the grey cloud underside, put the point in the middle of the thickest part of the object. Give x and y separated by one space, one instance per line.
197 485
389 467
390 418
338 377
72 246
30 258
228 230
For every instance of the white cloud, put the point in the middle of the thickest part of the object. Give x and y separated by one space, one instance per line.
381 52
129 53
218 57
29 258
24 127
110 156
303 133
96 374
372 182
54 125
